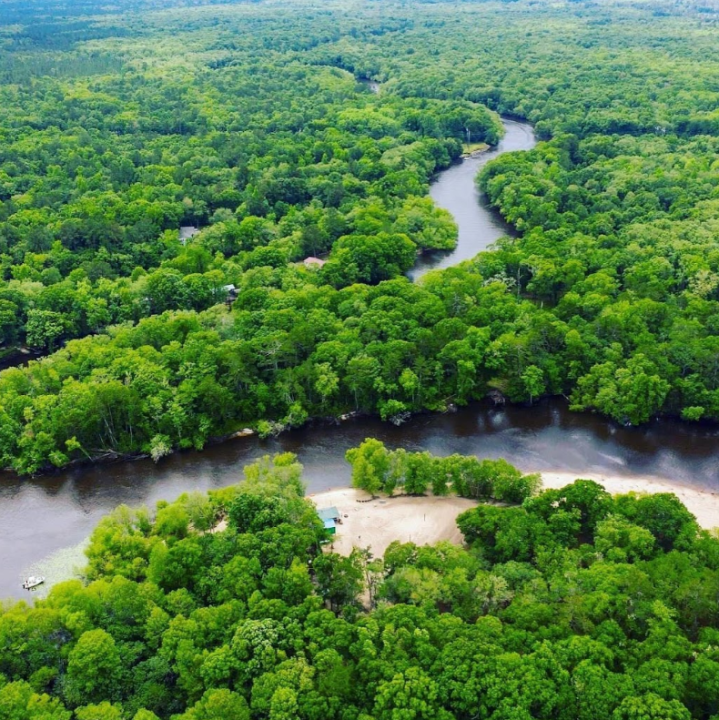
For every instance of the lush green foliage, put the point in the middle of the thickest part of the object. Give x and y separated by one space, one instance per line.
377 469
99 172
573 606
620 239
249 121
93 200
176 379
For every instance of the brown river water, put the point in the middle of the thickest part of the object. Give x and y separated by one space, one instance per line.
39 517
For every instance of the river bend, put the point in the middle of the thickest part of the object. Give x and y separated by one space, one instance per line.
39 517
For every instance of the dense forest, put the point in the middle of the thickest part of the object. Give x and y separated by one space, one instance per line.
572 605
253 123
207 216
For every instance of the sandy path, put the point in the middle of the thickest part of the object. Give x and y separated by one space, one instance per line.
427 520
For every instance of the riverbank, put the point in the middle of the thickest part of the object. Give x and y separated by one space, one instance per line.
703 504
375 523
474 149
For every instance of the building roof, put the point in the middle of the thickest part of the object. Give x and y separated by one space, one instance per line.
314 261
330 513
329 524
188 231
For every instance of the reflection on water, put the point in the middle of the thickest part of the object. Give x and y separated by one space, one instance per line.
40 516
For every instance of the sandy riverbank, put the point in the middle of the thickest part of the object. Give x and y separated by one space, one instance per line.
703 504
427 520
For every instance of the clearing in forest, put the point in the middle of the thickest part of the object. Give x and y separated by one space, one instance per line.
376 523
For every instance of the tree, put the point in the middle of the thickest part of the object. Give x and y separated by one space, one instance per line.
339 579
508 483
418 474
664 515
587 500
468 476
200 510
172 522
598 690
650 707
503 534
370 259
18 701
412 695
370 466
8 318
284 704
251 513
219 705
533 381
44 328
94 669
292 585
631 394
621 541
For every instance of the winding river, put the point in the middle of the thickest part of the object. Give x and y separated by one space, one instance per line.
455 190
40 517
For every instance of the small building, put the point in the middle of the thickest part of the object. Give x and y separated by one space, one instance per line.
330 526
331 518
314 262
187 232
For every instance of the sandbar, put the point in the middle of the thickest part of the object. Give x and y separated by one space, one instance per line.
375 523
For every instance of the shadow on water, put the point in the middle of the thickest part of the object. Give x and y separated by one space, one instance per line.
16 358
40 516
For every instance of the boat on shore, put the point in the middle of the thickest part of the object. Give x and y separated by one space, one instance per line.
33 581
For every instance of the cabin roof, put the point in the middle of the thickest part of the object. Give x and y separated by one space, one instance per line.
330 513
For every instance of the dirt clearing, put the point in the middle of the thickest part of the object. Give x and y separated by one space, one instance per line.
377 523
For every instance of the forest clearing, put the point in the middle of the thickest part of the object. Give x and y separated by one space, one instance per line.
376 522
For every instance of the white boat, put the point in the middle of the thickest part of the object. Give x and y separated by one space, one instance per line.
33 581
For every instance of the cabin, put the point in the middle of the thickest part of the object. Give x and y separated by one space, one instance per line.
331 518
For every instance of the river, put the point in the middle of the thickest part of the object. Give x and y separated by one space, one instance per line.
455 190
39 517
15 358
